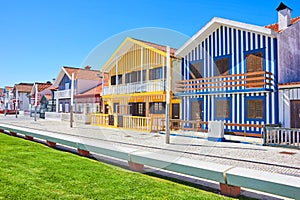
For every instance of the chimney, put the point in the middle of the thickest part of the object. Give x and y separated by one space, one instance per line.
284 16
87 67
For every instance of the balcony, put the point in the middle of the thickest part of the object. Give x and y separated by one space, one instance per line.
62 94
252 81
130 88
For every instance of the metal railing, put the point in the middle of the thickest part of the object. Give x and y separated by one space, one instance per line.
278 136
130 88
226 83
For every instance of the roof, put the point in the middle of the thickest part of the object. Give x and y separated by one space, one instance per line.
158 46
79 73
289 85
23 87
275 27
85 74
128 43
41 87
215 23
92 92
282 6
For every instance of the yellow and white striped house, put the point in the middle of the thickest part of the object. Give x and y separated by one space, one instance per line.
136 93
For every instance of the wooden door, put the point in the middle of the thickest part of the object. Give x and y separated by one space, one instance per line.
295 113
175 111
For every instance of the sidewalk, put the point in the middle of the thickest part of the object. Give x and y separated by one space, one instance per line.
251 156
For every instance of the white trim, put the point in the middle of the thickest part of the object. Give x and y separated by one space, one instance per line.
216 22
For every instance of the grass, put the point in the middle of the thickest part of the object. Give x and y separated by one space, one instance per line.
31 170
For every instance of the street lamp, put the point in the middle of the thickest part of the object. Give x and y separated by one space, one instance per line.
72 99
168 88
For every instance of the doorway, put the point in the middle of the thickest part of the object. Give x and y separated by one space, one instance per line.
295 113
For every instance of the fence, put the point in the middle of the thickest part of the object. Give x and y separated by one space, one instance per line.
278 136
127 121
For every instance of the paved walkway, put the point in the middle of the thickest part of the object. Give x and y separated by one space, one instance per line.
252 156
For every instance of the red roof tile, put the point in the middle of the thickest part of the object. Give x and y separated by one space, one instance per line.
43 86
275 27
24 87
85 74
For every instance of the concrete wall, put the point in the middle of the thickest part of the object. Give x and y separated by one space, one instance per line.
289 54
285 96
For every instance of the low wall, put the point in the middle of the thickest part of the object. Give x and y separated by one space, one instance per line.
78 118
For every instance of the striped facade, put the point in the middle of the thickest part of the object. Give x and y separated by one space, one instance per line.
222 38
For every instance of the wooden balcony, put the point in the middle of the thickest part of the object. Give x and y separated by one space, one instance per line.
251 81
138 87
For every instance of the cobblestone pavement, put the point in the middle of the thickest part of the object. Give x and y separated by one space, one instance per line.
252 156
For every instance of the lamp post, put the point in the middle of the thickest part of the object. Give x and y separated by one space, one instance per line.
35 101
72 99
168 88
16 103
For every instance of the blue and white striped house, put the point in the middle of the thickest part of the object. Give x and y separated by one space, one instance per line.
229 73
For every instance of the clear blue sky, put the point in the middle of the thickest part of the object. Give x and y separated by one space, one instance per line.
38 37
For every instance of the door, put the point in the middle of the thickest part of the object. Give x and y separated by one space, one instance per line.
175 111
295 114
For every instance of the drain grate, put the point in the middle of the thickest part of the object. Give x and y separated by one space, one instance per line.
287 152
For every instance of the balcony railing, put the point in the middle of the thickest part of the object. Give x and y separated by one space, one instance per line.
227 83
130 88
62 94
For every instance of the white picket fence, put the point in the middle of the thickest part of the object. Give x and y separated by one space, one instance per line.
282 136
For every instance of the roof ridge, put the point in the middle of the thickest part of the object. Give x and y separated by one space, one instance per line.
152 43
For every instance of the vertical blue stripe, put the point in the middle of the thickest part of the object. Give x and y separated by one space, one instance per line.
230 40
226 46
258 40
213 44
253 40
240 50
234 50
269 54
217 42
206 55
244 41
191 56
182 69
202 54
249 39
222 39
276 82
211 67
264 41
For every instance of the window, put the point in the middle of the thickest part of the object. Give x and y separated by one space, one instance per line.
157 107
222 66
254 63
195 70
196 109
113 80
116 108
140 109
157 73
255 109
222 108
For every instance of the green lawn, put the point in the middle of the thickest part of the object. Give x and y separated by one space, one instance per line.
30 170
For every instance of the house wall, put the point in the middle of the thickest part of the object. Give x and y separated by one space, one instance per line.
289 54
84 85
234 44
24 101
285 96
